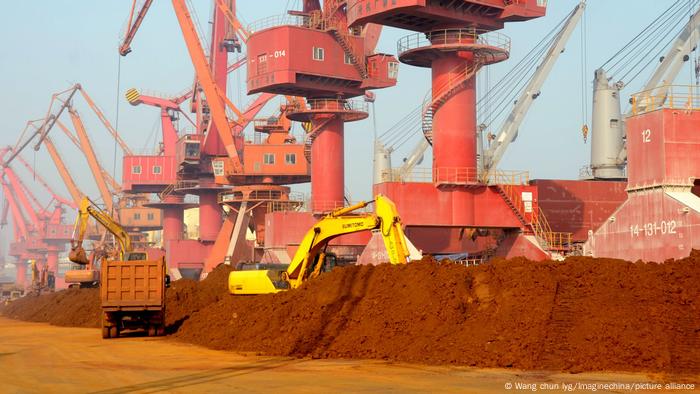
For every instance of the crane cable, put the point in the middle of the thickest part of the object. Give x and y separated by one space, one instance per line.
509 86
116 118
695 69
628 59
584 88
635 38
662 43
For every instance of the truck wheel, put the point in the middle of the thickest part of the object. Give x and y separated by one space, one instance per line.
105 332
151 330
114 332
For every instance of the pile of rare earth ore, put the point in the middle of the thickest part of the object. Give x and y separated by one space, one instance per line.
583 314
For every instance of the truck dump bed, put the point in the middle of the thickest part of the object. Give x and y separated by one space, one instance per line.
137 285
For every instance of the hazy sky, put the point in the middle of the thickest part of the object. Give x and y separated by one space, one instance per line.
50 45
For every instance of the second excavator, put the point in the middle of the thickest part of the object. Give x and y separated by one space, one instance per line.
89 277
311 258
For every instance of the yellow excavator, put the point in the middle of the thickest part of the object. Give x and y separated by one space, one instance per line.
311 256
89 277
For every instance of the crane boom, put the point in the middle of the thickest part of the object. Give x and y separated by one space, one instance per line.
17 217
114 185
206 80
132 28
93 163
16 185
608 146
414 158
105 122
672 62
49 121
37 209
233 20
46 186
509 131
63 172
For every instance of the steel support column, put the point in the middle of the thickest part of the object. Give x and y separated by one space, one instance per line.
328 167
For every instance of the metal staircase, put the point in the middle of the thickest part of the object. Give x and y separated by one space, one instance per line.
538 225
356 60
338 27
434 100
166 192
532 219
311 136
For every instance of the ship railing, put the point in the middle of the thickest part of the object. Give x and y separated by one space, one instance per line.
682 97
460 175
509 177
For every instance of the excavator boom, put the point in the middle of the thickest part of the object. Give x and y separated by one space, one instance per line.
310 256
87 208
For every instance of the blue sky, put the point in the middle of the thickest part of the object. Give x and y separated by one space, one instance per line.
50 45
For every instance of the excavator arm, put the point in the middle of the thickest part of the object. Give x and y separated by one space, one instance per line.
310 256
86 209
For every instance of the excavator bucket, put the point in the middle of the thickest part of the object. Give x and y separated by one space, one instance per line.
78 255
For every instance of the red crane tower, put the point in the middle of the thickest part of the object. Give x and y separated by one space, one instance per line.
39 232
455 39
312 53
208 162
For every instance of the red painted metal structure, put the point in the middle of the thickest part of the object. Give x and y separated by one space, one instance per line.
39 232
578 206
499 215
208 162
313 53
661 217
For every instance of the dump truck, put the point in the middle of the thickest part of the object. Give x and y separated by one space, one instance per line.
132 287
311 258
132 294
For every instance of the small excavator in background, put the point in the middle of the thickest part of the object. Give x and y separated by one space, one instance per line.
90 276
132 288
42 279
311 258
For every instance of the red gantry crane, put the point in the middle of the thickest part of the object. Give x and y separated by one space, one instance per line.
208 162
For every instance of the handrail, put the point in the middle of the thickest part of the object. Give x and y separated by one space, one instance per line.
332 105
446 37
278 20
685 97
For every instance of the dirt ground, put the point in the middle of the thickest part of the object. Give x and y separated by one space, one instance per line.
580 315
37 357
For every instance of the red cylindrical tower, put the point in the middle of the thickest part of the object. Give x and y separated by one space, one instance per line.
449 111
173 207
21 276
454 124
173 224
328 166
326 140
52 261
209 216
